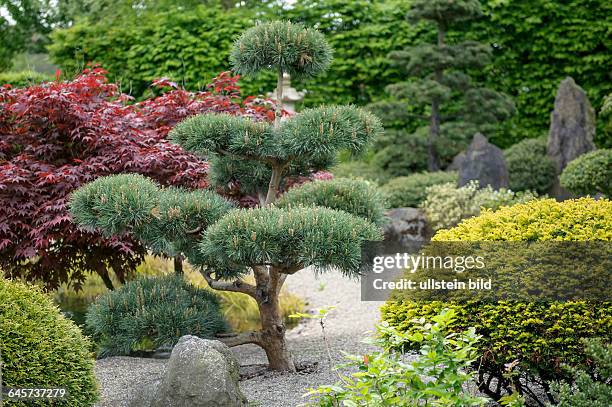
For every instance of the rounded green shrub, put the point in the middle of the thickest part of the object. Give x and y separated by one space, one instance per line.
536 337
358 197
529 167
22 79
591 173
148 313
39 347
409 191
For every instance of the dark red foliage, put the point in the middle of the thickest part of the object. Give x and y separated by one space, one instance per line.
57 136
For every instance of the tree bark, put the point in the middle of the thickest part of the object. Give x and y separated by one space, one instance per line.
272 339
106 279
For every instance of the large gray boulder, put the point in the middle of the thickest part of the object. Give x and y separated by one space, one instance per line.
484 163
572 128
200 373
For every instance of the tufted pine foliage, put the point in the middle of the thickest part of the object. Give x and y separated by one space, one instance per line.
39 347
536 336
282 46
360 198
591 173
269 241
410 191
529 167
151 312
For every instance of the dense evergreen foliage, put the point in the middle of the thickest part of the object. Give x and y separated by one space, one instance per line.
449 103
269 241
589 174
543 333
412 190
40 348
529 167
152 312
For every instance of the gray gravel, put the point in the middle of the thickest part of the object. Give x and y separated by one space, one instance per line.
345 328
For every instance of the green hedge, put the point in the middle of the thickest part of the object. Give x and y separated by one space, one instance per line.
539 335
591 173
151 312
39 347
410 191
529 167
188 47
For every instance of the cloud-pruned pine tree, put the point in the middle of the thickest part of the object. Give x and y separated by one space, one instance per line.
454 107
321 225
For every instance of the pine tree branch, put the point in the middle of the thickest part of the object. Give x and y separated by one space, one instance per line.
240 339
238 286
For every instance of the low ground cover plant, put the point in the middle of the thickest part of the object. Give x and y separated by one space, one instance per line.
40 348
524 343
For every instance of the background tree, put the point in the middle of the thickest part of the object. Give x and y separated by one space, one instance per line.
58 136
456 108
323 228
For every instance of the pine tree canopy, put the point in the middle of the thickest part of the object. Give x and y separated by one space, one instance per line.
444 12
288 239
356 197
281 45
310 139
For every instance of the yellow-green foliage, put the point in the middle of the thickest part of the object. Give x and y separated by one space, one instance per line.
537 335
538 220
39 347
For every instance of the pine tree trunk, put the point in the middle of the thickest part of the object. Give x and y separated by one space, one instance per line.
178 265
273 336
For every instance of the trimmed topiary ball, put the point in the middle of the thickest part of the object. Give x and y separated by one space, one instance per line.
536 337
529 168
148 313
39 347
410 191
283 46
589 174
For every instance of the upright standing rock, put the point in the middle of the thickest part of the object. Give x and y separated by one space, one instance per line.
483 162
572 128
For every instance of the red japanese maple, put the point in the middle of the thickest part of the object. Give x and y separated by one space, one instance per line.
56 136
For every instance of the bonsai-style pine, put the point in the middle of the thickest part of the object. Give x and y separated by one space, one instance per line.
454 107
320 225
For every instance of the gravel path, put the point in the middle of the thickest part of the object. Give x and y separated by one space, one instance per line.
345 328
